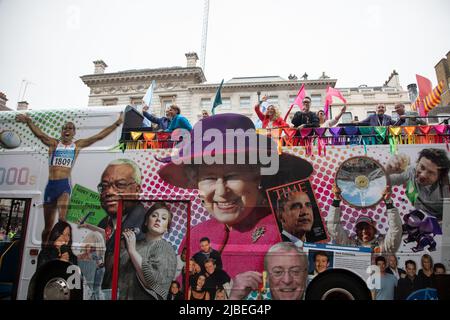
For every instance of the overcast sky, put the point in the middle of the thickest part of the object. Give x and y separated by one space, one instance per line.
51 43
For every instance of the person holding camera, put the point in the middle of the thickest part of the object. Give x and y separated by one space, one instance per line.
147 267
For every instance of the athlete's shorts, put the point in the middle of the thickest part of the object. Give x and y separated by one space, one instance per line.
55 188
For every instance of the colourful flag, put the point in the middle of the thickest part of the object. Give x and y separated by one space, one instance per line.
298 100
434 97
217 99
332 92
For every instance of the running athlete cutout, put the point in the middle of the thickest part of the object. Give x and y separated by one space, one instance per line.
62 154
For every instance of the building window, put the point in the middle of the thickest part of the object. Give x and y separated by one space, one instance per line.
110 102
226 104
347 117
135 101
244 102
369 113
316 100
369 96
273 100
166 102
206 104
292 99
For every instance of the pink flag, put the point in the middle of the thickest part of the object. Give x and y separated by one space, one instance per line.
298 101
332 92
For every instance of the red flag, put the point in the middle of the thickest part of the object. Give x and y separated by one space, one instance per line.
424 85
332 92
425 88
298 101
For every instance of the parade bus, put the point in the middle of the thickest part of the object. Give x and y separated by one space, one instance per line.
96 206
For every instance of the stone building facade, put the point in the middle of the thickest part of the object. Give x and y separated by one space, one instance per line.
187 87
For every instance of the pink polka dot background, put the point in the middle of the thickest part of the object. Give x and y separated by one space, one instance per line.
322 179
154 188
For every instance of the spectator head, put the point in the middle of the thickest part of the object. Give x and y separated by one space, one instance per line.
321 115
400 109
205 114
306 102
381 109
174 110
272 112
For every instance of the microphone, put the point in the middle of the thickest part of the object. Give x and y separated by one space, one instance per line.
136 231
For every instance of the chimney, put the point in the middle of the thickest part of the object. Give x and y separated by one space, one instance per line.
412 91
22 105
3 100
191 59
100 66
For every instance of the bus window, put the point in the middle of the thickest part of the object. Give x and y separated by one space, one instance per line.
13 214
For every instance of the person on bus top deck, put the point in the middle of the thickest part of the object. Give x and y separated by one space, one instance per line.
365 227
324 123
378 119
178 121
272 118
62 155
305 118
429 177
233 194
163 122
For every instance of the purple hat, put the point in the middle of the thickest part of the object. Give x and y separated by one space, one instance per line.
367 220
291 168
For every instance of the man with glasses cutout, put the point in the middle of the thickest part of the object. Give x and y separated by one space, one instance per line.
121 179
287 269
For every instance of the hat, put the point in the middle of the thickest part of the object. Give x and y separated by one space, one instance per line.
290 167
367 220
